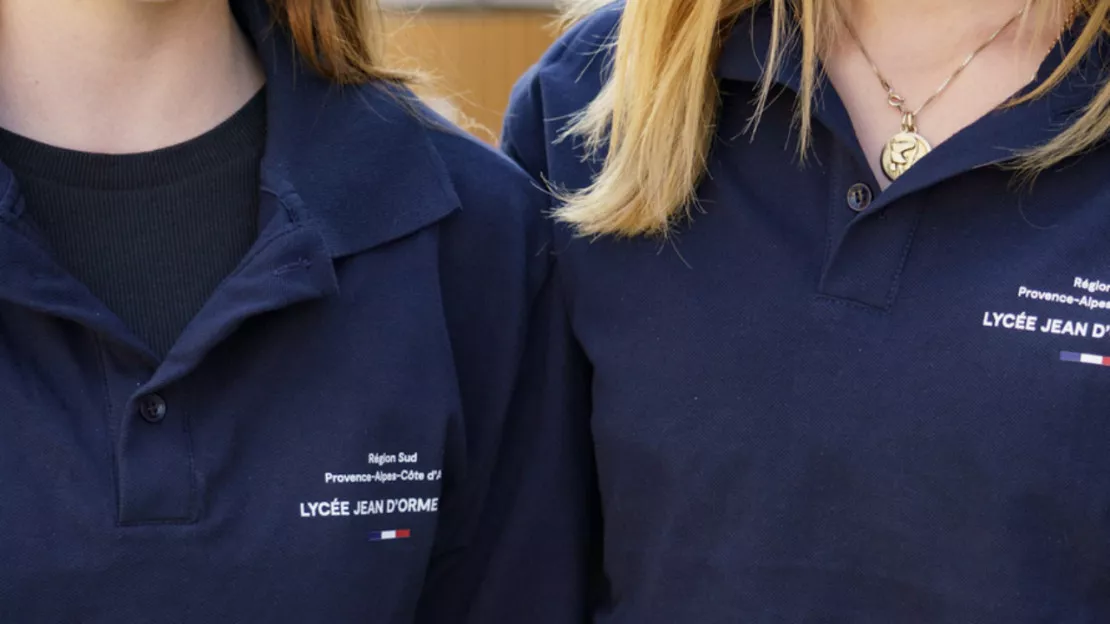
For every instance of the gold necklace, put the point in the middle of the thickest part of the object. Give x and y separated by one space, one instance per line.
908 146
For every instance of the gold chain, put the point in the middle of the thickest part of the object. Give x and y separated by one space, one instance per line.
898 102
908 146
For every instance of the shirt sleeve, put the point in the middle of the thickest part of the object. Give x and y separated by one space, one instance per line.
516 537
533 556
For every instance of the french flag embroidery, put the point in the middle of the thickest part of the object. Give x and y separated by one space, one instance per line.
1084 358
381 536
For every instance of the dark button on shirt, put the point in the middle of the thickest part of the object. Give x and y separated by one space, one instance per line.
152 408
859 197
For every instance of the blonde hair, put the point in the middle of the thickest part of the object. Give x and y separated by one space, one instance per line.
342 40
655 116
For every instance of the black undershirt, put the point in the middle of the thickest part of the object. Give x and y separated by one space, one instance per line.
153 234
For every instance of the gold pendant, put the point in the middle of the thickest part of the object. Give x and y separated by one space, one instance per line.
904 149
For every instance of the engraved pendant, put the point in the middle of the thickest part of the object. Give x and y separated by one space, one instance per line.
904 149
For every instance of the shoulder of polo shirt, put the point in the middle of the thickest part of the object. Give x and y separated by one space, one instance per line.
397 167
489 185
571 71
563 82
502 210
370 164
377 165
585 48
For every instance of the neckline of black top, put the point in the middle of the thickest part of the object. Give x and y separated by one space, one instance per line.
238 136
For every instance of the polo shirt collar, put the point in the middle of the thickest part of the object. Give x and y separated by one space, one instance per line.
745 49
359 160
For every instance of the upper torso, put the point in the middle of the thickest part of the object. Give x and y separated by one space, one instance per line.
313 445
812 408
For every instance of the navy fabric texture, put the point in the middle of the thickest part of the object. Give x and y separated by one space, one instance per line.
337 435
806 413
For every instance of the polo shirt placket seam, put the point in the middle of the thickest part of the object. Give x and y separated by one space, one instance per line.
193 504
896 282
110 428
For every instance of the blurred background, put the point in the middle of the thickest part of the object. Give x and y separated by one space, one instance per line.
474 50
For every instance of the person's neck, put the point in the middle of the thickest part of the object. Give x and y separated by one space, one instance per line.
926 13
940 33
121 76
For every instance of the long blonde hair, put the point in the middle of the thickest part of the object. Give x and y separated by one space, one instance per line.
655 115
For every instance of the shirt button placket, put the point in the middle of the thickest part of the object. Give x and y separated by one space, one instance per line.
157 482
872 249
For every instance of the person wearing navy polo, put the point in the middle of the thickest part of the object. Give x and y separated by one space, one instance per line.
276 343
841 272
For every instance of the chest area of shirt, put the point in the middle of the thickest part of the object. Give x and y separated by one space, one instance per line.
317 433
972 311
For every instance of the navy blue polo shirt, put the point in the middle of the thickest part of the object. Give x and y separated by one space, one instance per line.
817 402
359 426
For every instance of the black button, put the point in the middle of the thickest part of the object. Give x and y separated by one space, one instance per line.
859 197
152 408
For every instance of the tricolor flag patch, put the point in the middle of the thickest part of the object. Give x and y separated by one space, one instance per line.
381 536
1084 358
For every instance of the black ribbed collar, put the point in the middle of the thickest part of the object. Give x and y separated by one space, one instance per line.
243 135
